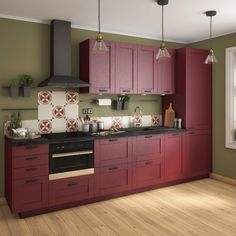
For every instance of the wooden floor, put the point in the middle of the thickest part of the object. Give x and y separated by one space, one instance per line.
204 207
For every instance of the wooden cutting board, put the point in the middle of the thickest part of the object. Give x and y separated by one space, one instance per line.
169 117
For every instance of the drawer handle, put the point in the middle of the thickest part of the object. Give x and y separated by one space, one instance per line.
113 168
31 181
125 91
166 91
31 158
147 91
72 184
148 163
31 147
102 90
32 169
175 134
149 136
113 140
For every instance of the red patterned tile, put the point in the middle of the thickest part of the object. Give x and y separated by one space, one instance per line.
116 122
44 97
155 120
58 112
71 125
72 97
45 126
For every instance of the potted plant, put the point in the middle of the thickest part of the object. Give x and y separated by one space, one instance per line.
125 104
14 88
26 82
118 103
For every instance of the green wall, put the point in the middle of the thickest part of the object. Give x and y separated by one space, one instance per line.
224 159
25 49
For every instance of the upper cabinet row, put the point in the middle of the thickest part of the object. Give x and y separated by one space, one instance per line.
126 69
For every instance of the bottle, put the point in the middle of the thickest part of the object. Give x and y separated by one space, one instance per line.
18 120
179 123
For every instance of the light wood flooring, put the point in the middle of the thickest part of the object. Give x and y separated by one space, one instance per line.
202 208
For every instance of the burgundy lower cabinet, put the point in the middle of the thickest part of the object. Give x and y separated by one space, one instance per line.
173 161
197 158
148 152
26 176
71 189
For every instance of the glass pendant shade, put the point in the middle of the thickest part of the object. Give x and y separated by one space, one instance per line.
162 53
99 45
211 58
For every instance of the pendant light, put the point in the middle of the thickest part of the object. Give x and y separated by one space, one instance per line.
99 46
162 52
211 58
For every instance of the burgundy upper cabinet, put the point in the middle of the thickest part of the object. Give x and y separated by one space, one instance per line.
98 69
147 70
166 74
126 68
192 99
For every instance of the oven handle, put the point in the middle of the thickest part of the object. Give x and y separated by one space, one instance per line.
67 154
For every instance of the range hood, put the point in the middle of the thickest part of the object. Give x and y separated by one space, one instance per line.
60 58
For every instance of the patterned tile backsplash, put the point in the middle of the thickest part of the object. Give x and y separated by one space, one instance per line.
59 112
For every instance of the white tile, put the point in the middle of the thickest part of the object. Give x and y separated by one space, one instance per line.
32 125
107 122
44 112
72 111
147 120
125 121
59 98
58 125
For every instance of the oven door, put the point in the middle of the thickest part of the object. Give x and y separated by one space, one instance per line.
68 163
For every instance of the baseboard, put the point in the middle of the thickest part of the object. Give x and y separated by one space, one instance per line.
2 201
222 178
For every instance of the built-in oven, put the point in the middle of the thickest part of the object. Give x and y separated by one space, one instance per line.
71 159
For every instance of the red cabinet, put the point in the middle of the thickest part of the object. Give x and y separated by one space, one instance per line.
72 189
97 69
173 160
148 154
126 68
147 70
197 158
166 74
26 176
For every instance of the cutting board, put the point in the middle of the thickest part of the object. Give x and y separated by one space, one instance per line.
169 117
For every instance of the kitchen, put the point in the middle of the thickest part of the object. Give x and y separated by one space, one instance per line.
27 50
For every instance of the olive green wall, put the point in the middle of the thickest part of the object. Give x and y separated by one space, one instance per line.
25 49
224 159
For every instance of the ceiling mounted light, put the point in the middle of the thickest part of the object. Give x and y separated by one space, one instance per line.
211 58
162 52
99 45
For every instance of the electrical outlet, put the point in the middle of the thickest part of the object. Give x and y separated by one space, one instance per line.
87 110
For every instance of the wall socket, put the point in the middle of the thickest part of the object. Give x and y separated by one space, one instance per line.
87 110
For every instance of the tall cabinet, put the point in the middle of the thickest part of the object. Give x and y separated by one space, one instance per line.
192 102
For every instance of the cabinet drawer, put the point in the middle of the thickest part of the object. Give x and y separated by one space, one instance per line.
70 190
30 194
147 173
112 179
31 149
30 171
112 151
31 160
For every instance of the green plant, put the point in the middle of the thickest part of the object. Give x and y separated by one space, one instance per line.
126 98
14 83
26 80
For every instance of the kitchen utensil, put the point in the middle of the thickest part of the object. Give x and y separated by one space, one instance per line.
93 127
85 127
169 117
100 125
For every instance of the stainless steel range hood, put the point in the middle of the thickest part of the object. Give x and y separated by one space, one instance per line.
60 58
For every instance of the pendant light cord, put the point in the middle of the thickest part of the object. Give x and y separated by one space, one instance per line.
162 25
99 18
211 31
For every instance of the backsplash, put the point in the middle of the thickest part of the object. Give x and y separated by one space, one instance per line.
58 111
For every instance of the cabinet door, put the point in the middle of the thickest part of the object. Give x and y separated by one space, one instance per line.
197 159
147 70
112 179
149 147
126 68
173 156
198 90
113 151
166 74
147 173
30 194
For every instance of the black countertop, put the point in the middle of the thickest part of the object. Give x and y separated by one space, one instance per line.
79 136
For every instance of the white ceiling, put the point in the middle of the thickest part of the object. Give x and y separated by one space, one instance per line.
184 19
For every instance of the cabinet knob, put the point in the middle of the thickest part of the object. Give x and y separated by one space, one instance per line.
32 169
148 136
148 163
147 91
113 140
103 90
31 158
31 147
31 181
125 91
113 168
72 184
